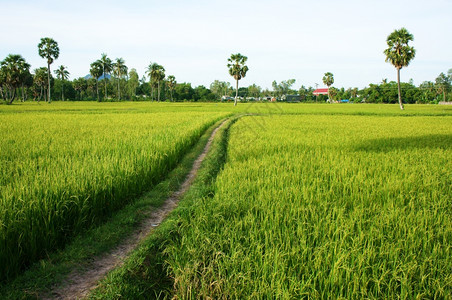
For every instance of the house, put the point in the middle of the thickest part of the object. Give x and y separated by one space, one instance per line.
320 92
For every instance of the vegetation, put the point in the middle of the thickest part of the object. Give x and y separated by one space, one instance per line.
48 49
54 185
328 80
399 53
311 207
238 70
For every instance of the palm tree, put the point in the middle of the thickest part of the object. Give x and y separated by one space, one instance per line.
237 69
62 74
399 53
48 49
14 72
119 69
156 73
96 71
171 82
107 67
443 84
328 80
39 80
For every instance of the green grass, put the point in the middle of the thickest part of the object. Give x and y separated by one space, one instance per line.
314 200
319 206
39 279
144 274
64 172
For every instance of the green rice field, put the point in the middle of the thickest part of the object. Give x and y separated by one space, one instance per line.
310 201
321 206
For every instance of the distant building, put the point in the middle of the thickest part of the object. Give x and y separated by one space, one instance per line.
291 98
320 92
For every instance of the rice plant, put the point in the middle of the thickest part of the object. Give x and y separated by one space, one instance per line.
323 206
63 170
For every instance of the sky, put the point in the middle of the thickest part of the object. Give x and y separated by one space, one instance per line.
282 39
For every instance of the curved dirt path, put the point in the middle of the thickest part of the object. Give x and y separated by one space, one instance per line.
79 283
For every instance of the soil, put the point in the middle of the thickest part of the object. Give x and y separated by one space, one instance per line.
79 283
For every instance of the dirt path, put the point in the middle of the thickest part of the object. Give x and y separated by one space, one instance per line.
80 283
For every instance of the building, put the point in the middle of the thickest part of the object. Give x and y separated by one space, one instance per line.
320 92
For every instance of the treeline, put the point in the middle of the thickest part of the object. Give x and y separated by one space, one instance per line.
111 80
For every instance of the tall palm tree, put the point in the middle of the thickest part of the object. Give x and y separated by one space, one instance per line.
62 74
14 70
171 82
48 49
399 53
96 71
39 81
156 74
328 80
237 69
119 70
107 67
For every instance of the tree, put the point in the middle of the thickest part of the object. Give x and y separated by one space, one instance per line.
282 88
107 67
14 71
48 49
220 88
399 53
156 74
62 74
80 84
171 83
443 84
238 70
39 82
328 80
96 71
254 90
133 83
119 69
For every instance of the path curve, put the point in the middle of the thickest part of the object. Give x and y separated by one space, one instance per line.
79 283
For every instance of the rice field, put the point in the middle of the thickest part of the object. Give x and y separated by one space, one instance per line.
318 205
65 167
313 200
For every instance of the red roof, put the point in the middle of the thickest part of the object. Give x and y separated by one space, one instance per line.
320 92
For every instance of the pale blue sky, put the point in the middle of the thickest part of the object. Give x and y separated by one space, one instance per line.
192 39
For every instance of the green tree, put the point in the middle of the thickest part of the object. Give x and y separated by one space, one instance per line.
107 67
156 74
48 49
399 53
254 90
80 84
62 74
220 88
39 83
238 70
133 83
96 71
14 72
119 70
171 83
443 84
282 88
328 80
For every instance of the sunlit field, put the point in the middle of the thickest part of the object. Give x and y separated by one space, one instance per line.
324 206
66 166
314 200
